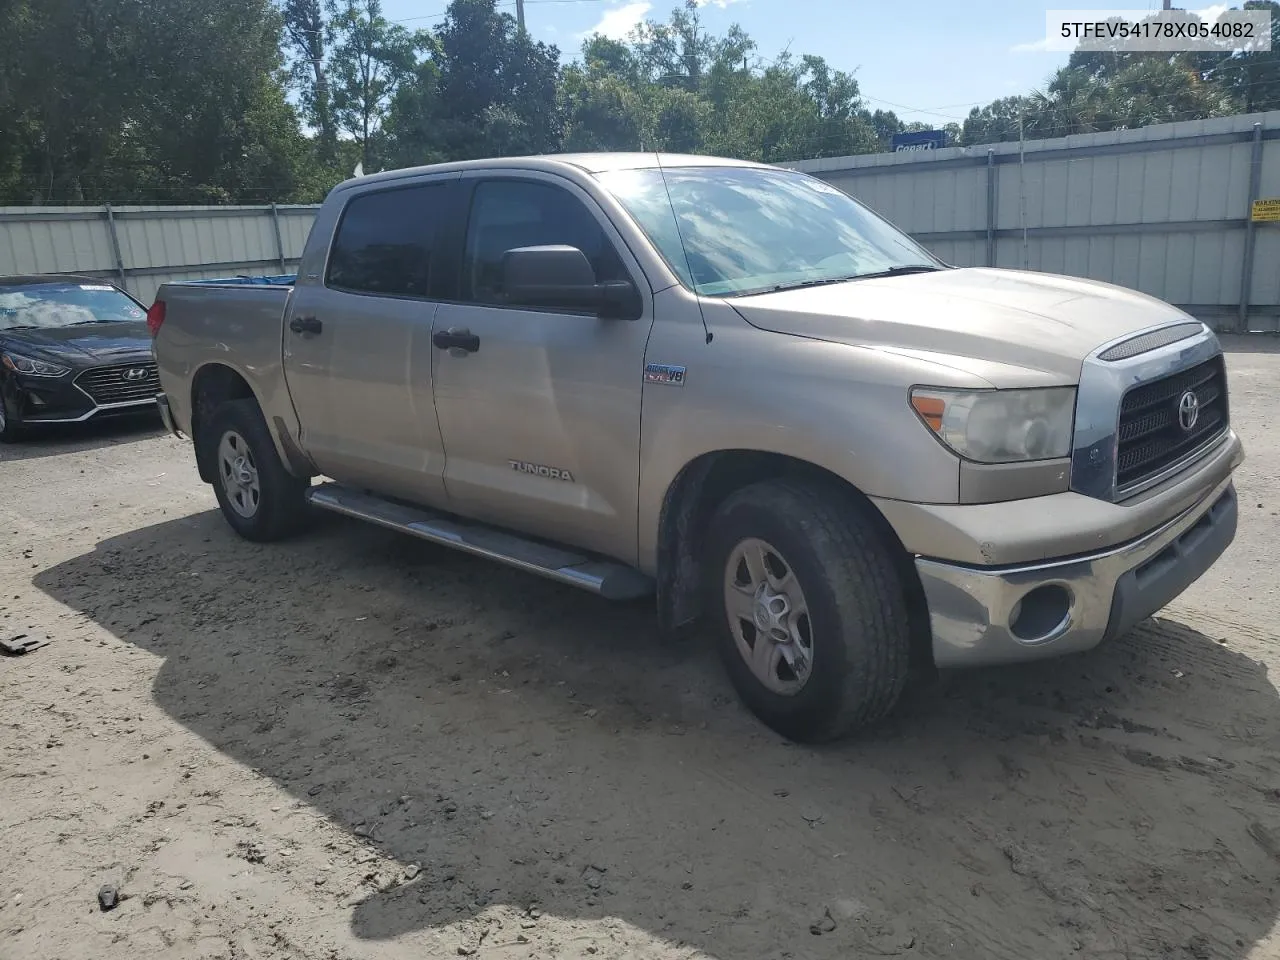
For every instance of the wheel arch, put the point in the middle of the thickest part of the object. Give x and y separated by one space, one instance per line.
216 382
705 482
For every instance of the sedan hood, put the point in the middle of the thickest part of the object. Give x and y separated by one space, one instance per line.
83 345
1032 321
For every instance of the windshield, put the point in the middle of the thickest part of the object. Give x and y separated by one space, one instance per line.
63 305
748 230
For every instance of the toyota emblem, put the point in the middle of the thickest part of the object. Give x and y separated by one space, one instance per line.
1188 411
134 373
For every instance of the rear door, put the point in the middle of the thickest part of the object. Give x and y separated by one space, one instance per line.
358 344
541 420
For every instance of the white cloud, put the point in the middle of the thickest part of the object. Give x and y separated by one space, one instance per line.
1211 14
617 23
716 3
1034 46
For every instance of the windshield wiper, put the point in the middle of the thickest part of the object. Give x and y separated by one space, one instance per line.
890 272
798 284
898 271
81 323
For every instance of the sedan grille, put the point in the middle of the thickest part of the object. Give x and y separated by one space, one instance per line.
122 383
1168 420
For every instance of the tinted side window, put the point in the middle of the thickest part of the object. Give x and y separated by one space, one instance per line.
506 214
384 241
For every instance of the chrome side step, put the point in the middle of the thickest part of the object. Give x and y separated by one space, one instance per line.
608 578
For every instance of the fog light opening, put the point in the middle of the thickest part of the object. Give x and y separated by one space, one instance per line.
1041 614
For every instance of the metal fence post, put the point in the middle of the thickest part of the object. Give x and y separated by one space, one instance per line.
115 241
991 207
275 222
1246 268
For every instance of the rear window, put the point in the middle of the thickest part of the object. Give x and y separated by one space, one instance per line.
385 242
64 305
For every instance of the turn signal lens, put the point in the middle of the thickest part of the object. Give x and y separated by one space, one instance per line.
930 409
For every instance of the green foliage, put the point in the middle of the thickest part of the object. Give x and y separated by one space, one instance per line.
92 108
185 100
371 58
306 34
675 87
1106 88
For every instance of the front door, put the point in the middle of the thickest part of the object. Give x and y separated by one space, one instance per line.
358 351
541 420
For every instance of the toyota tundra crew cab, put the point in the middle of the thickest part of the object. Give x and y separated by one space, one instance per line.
731 386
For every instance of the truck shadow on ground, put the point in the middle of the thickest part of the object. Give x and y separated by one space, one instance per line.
1122 803
58 439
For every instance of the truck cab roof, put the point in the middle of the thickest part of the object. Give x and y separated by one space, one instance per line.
585 162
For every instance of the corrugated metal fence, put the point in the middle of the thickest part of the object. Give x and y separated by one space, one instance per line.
1163 209
146 246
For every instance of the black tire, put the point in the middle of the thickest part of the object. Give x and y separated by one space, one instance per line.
858 625
11 431
279 507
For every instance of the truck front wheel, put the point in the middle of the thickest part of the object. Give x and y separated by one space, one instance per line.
259 497
810 609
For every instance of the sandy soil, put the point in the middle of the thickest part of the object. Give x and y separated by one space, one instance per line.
354 745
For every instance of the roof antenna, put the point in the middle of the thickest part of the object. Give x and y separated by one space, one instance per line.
683 249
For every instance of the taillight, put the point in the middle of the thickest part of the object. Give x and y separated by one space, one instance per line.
155 317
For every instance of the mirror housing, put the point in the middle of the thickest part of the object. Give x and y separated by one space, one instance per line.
558 275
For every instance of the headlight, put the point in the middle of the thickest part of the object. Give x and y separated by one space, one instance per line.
32 368
1000 426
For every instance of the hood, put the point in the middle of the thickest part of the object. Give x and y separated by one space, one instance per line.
90 343
1032 321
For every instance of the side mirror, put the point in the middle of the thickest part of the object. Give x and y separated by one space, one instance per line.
561 276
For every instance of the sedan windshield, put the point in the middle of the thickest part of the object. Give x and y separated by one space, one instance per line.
46 305
729 231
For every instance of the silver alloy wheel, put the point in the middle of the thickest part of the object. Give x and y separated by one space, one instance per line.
4 421
239 474
769 616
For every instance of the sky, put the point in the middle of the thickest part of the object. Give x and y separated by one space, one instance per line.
926 60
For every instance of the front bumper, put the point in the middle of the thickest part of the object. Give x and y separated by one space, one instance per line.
988 615
66 399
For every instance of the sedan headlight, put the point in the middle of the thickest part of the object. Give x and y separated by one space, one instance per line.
32 368
1000 426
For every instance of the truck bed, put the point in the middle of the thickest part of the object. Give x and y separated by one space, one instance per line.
203 317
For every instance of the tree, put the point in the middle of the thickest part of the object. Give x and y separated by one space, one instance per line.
1253 76
411 130
496 89
997 121
215 123
93 110
371 59
306 31
600 112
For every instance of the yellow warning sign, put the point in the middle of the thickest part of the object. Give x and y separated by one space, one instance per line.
1268 209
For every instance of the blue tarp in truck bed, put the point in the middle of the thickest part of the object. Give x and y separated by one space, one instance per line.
282 280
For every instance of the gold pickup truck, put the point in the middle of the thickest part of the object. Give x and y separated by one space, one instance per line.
731 386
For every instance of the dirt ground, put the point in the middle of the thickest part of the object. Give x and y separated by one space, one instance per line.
355 745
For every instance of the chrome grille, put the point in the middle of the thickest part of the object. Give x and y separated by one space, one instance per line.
120 384
1151 437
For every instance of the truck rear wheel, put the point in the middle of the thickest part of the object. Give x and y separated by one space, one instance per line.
259 497
810 609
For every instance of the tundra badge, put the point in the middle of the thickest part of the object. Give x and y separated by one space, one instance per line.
537 469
